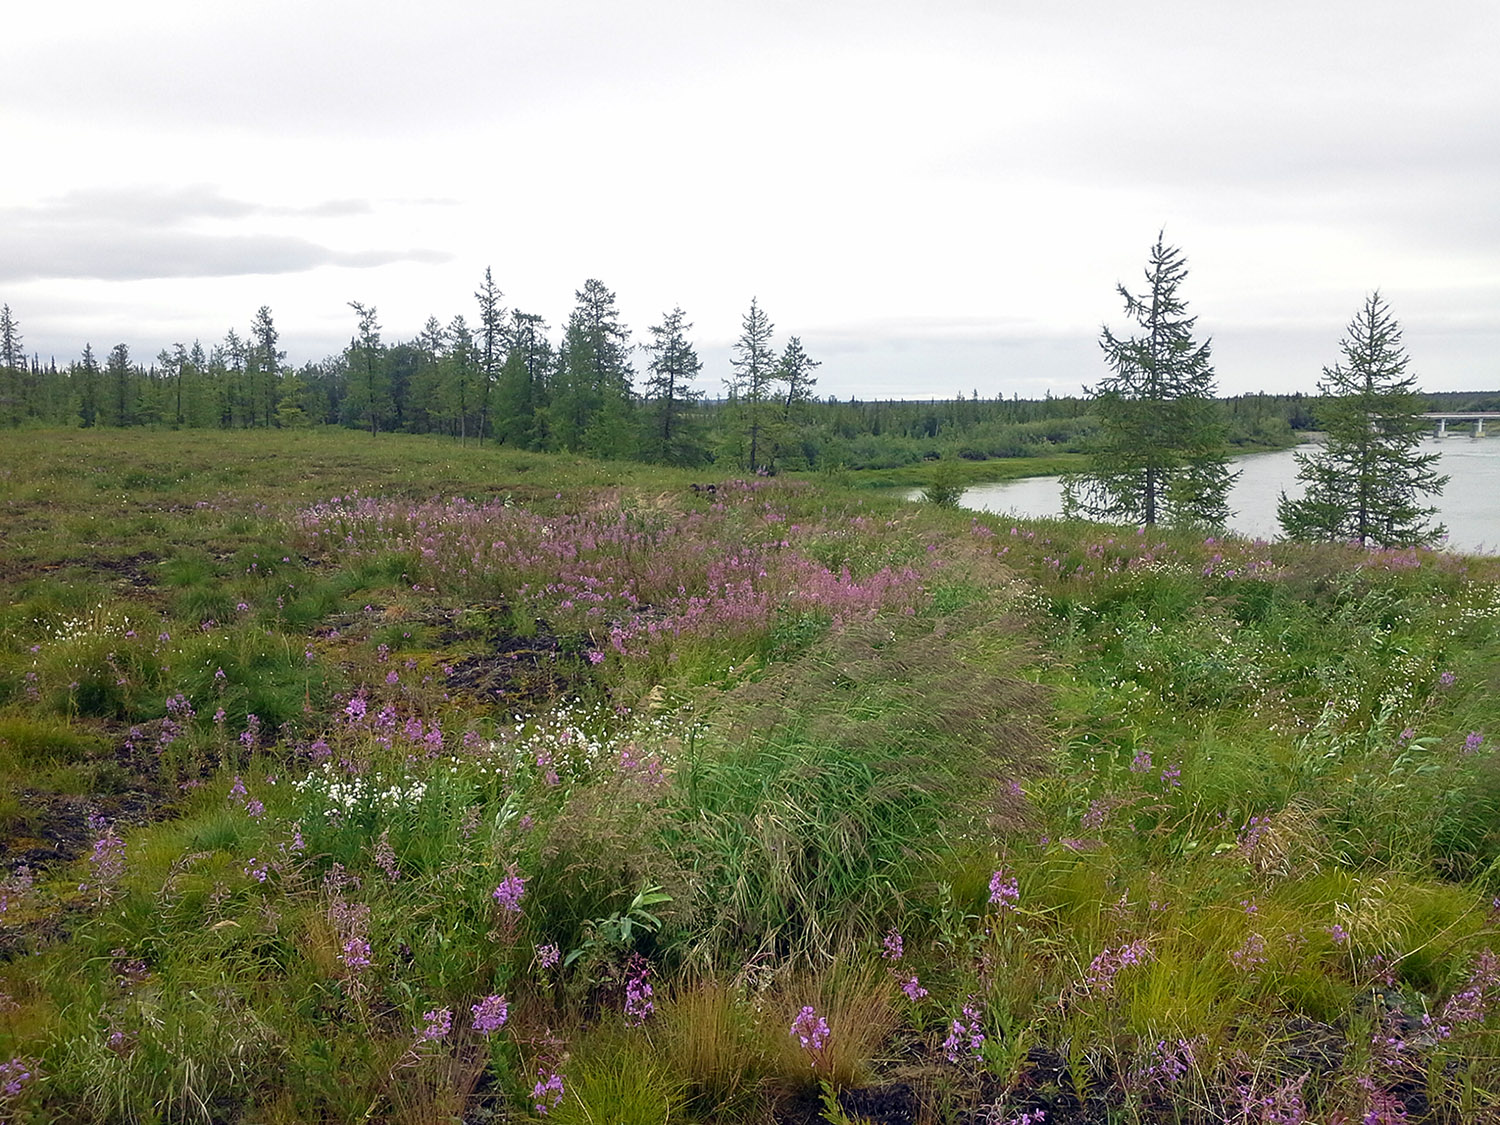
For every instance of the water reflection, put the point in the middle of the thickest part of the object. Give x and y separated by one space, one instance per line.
1470 505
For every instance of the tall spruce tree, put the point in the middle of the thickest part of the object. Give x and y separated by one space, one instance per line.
369 391
13 404
521 401
671 437
1366 483
122 390
592 400
1159 453
86 384
490 346
263 369
753 364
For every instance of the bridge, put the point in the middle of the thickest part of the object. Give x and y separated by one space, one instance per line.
1442 418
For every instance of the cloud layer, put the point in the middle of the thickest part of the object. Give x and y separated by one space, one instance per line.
141 233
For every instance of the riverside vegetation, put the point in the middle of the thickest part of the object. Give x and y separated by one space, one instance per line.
388 780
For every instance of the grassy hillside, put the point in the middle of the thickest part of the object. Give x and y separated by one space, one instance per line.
384 779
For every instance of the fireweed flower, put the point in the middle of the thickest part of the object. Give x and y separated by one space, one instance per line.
490 1014
914 990
13 1078
356 953
1102 970
547 1092
638 1002
436 1025
1473 742
1141 763
893 946
969 1027
810 1029
385 856
237 790
508 893
548 955
1005 891
1447 679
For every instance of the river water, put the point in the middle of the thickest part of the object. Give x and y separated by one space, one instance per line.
1469 506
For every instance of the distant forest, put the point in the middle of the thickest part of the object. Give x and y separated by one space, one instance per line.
505 381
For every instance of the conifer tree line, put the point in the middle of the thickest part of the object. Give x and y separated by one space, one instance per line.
504 376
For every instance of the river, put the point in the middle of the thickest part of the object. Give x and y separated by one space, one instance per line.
1469 506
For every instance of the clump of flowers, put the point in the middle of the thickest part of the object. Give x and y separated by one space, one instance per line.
1106 966
638 1003
548 955
1005 891
107 858
385 856
893 946
436 1025
508 893
1280 1106
1251 954
351 923
14 1077
547 1092
1167 1063
966 1035
490 1014
914 990
811 1031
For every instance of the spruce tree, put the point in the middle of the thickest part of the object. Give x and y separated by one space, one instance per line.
754 367
671 438
1159 453
12 370
1365 485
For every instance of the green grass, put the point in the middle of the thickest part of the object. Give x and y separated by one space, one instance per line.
1257 769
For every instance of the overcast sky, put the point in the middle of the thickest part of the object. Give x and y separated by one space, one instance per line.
936 197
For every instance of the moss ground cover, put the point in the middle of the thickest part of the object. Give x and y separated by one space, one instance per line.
349 779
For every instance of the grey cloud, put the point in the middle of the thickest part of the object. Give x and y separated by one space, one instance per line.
132 234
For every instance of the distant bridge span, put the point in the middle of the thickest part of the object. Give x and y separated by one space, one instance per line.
1478 417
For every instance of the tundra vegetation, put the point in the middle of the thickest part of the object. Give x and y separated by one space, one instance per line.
398 780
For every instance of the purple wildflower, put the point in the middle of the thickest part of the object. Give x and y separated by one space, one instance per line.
1141 763
1103 969
13 1077
385 856
547 1092
356 953
1447 679
1473 742
490 1014
1005 891
548 955
914 990
893 946
965 1032
638 1002
810 1029
436 1025
237 790
254 808
508 893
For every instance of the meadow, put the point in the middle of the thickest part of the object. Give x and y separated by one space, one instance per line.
350 779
